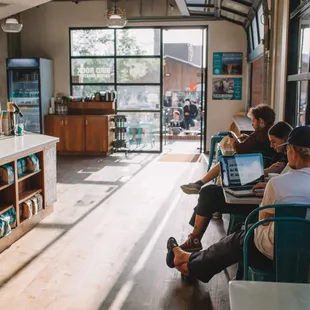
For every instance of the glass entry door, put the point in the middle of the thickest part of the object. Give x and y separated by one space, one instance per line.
139 84
184 54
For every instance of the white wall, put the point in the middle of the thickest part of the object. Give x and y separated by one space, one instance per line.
224 37
46 34
279 58
3 55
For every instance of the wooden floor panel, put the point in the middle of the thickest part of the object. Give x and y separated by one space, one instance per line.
104 246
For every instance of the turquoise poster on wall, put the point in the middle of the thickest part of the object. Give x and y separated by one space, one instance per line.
227 63
227 89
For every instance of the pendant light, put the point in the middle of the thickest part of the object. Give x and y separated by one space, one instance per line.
116 17
11 25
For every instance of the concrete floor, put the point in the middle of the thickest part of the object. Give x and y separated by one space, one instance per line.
104 245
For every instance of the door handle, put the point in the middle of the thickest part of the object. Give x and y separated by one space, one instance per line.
66 122
62 122
86 122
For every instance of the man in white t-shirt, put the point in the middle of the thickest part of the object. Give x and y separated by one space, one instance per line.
291 187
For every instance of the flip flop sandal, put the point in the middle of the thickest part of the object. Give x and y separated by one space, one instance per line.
171 244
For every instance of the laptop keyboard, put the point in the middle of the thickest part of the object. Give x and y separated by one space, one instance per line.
240 188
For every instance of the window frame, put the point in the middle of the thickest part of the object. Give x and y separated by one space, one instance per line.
294 75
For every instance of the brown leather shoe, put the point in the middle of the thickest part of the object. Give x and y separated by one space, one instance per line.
192 244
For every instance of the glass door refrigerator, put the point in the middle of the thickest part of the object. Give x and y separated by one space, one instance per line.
30 86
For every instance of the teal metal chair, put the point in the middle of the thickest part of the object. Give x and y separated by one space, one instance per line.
291 245
214 141
138 136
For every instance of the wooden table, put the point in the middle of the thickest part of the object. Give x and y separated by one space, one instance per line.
245 295
229 198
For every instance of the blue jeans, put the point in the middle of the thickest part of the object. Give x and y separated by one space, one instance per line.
189 122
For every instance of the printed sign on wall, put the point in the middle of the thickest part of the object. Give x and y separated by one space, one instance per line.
227 89
227 63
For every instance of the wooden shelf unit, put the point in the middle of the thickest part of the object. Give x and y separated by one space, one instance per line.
28 194
4 186
91 107
13 195
3 209
28 175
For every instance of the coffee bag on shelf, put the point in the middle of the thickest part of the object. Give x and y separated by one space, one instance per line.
35 207
27 209
33 163
6 174
40 201
5 228
19 168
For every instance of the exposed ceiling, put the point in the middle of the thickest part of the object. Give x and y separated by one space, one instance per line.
236 11
12 7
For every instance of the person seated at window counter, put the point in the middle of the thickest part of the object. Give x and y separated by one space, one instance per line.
263 117
175 124
291 187
190 112
211 197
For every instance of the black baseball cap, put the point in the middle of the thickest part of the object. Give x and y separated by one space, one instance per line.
299 136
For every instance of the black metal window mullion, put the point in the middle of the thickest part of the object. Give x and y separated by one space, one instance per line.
70 64
115 69
258 27
161 97
294 66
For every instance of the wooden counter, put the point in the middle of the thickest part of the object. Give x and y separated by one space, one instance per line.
42 182
82 134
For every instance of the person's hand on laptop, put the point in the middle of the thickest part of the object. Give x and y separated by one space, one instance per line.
259 189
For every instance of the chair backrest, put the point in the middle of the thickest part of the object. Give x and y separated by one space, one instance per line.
281 210
291 248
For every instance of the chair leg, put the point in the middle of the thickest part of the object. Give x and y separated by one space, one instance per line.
211 152
213 142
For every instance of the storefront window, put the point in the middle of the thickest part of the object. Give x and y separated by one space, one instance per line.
260 15
132 42
302 98
255 32
130 62
304 44
92 42
297 101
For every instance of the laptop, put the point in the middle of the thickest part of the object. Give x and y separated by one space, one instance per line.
240 172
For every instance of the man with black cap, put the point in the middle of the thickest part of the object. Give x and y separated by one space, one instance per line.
291 187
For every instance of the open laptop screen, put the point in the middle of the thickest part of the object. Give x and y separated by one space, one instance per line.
242 169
